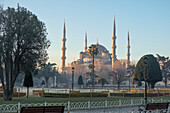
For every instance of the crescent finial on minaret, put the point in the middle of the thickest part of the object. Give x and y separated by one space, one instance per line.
97 43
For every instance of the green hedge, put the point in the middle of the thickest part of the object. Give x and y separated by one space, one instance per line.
94 94
15 94
63 95
138 94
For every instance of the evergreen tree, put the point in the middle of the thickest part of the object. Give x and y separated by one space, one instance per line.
148 69
43 83
28 81
80 81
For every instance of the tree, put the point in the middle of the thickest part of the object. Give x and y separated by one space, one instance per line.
148 69
93 51
22 38
130 72
28 82
102 70
47 71
102 81
91 74
139 83
43 83
165 67
80 81
118 75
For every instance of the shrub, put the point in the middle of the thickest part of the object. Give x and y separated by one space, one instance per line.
64 95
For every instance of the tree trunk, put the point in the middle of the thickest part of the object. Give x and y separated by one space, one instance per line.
152 85
27 91
149 85
46 81
165 81
8 96
118 85
9 86
102 85
6 85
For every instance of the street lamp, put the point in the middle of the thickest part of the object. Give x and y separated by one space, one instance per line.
72 78
145 78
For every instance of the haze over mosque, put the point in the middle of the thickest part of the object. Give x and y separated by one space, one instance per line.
103 59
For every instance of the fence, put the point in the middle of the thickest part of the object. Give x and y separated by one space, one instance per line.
80 105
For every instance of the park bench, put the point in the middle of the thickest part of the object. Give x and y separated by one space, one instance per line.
162 107
43 109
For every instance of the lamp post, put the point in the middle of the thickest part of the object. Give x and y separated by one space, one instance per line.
145 78
72 78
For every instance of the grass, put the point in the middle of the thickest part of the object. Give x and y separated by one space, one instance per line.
37 99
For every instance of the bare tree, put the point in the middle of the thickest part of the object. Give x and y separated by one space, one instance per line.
165 67
119 76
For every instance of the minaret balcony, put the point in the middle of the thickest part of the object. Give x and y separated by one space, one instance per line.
128 46
63 57
63 39
128 54
113 37
113 46
63 48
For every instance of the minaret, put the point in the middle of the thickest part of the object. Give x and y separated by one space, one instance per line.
114 45
63 57
85 46
128 52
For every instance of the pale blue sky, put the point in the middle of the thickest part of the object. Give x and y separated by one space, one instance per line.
148 22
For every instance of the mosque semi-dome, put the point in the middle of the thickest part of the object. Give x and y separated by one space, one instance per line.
101 49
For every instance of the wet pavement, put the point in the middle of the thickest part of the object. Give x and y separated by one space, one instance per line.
133 109
109 110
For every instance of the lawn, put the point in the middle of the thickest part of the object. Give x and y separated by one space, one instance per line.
37 99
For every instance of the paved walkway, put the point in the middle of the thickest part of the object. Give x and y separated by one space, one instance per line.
109 110
112 110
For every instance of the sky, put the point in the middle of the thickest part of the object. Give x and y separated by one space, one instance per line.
148 23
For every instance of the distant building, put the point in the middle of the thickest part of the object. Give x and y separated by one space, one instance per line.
103 59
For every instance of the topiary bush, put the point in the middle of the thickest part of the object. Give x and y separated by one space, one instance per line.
148 69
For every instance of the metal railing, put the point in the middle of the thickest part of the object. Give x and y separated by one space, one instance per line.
80 105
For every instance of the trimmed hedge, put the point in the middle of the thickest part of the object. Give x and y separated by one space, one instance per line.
138 94
64 95
15 94
95 94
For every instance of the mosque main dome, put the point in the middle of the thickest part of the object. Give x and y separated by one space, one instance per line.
103 55
101 49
